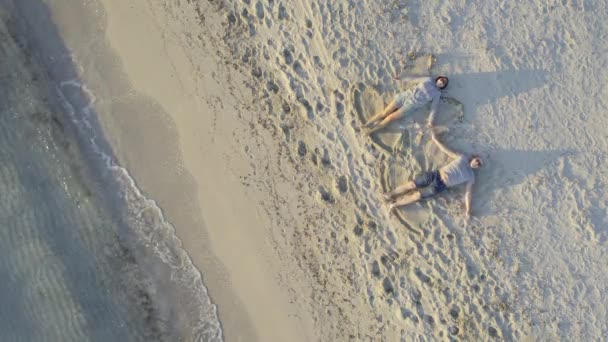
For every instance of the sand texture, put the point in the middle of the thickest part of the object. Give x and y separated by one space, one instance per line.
267 99
532 262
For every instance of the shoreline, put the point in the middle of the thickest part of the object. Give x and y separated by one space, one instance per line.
141 130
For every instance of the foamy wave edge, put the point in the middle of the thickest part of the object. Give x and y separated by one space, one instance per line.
148 220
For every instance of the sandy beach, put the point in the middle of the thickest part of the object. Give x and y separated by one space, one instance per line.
242 120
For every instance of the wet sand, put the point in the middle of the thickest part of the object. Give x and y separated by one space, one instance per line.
159 127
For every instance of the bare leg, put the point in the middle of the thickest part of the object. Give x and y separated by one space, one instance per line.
401 189
398 114
389 109
407 199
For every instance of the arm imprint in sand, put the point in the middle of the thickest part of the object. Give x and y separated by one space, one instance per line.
442 146
405 133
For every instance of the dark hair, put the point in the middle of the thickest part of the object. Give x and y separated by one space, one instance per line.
445 79
473 156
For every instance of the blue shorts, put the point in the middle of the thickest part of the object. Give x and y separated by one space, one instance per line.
430 183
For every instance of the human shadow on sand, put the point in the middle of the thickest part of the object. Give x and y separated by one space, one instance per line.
506 168
503 169
482 88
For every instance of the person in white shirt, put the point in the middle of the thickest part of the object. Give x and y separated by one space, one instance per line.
458 171
428 90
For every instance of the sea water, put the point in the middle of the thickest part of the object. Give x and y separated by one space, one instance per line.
84 255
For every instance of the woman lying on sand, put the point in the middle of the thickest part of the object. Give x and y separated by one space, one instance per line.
430 183
427 90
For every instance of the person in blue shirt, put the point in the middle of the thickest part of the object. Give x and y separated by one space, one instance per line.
427 90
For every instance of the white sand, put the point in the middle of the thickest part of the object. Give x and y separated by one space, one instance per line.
266 99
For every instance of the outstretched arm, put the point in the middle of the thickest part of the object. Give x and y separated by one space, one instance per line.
441 146
434 106
416 79
468 199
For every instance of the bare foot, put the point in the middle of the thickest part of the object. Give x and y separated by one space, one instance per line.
372 130
370 124
369 131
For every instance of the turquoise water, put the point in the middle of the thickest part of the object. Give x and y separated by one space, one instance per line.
84 256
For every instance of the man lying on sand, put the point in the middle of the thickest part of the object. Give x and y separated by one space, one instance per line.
430 183
428 90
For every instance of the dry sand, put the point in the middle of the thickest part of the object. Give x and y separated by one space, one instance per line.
255 154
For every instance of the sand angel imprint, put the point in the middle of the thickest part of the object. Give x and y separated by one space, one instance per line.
415 62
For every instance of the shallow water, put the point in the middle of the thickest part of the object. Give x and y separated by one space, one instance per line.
84 255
